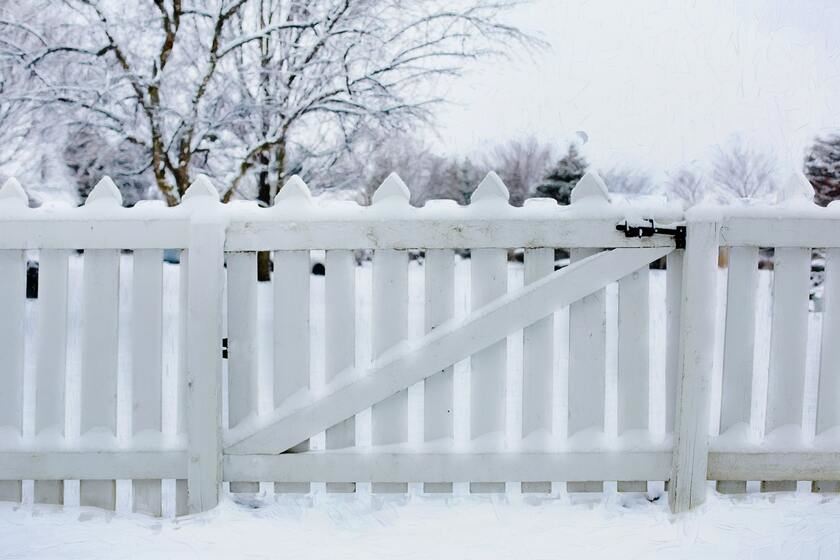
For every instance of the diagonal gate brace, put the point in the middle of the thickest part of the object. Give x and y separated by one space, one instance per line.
407 364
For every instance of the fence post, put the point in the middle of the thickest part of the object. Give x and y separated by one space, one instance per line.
691 432
204 339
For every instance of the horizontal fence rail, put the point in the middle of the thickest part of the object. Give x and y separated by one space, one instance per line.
155 356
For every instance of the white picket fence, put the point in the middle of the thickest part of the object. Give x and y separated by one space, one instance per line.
115 391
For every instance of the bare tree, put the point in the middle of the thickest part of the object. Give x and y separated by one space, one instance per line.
251 90
521 164
627 181
687 184
427 174
743 173
409 157
16 112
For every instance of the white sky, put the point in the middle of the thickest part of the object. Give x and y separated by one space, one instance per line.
655 83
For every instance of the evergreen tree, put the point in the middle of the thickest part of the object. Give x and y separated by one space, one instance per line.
563 176
822 167
460 180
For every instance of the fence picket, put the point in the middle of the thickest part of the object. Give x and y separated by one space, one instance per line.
242 345
147 365
203 355
488 278
633 359
587 366
181 427
291 336
739 343
439 390
673 306
99 362
52 359
389 418
538 364
340 341
828 411
12 302
789 324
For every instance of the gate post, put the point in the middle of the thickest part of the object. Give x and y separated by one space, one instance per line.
204 345
691 430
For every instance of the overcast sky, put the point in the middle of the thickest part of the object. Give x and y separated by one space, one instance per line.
657 83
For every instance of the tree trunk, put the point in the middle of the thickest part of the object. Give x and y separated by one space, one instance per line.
264 197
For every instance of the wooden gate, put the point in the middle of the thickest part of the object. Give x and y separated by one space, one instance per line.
272 442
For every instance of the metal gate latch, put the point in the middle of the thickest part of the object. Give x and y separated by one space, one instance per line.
649 229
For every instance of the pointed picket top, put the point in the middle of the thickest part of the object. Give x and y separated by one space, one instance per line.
294 189
201 189
592 187
12 193
798 189
392 188
105 192
490 188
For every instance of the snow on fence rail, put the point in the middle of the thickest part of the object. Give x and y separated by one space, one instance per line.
132 383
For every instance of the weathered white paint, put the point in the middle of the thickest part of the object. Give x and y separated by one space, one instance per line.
633 350
774 229
100 332
340 342
520 228
828 403
633 360
691 430
183 339
242 344
738 347
459 467
488 367
538 354
80 230
439 389
673 305
52 342
204 335
440 301
93 465
291 334
147 363
788 347
12 301
739 341
291 323
242 336
51 367
389 418
488 278
587 357
775 466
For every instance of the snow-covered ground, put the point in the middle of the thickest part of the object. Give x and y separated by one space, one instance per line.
801 525
756 526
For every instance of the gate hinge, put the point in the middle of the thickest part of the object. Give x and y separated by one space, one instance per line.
224 348
650 229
